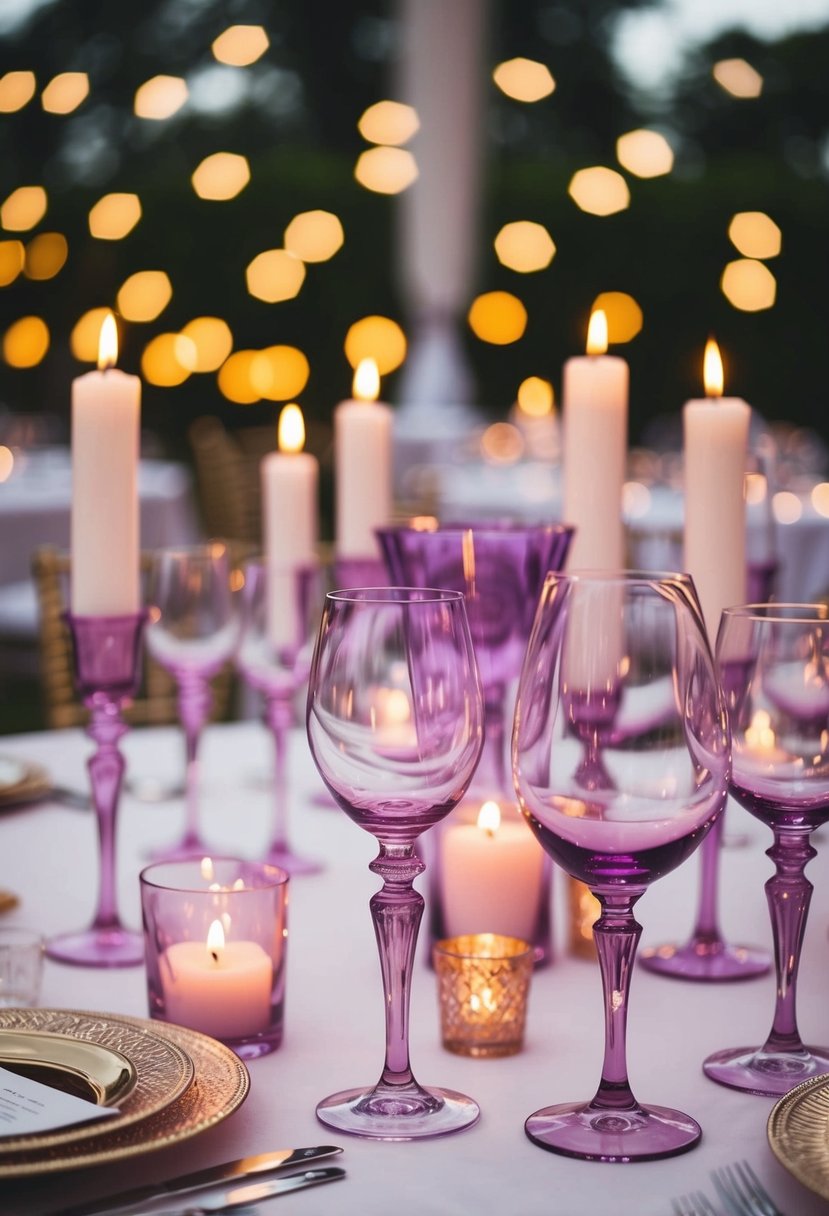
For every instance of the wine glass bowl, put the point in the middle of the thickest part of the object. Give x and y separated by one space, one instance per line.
774 662
395 726
621 762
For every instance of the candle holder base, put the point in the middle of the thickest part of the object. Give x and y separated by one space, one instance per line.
98 948
707 961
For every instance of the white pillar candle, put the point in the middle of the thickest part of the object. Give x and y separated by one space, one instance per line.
363 458
490 874
595 421
290 479
221 988
106 418
715 442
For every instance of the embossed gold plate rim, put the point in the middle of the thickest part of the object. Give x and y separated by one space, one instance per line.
105 1075
163 1068
798 1133
221 1084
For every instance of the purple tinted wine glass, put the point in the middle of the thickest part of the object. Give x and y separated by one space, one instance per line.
774 660
395 725
280 613
192 632
624 658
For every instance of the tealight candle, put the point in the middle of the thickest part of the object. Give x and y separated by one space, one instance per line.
362 454
106 410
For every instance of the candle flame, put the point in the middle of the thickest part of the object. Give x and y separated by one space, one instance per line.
108 343
215 940
597 332
489 818
712 373
366 381
291 429
206 868
760 733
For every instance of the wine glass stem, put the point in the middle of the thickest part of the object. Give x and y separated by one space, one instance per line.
106 770
491 773
396 911
279 715
194 702
707 927
789 893
616 934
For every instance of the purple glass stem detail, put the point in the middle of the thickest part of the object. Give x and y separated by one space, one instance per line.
789 893
195 700
616 934
279 715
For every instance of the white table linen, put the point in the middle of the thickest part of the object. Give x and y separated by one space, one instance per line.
334 1029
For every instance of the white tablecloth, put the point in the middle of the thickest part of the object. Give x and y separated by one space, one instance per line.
334 1028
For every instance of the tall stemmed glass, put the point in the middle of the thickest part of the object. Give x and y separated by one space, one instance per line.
280 613
621 761
395 724
774 661
192 632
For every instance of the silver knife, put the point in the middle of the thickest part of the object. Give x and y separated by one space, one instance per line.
129 1203
251 1192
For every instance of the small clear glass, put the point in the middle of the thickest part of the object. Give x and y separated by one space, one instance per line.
21 966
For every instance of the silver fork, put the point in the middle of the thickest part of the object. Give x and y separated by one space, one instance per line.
742 1191
694 1204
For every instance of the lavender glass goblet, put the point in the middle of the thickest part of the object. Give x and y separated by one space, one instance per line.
192 632
395 725
774 660
280 613
636 642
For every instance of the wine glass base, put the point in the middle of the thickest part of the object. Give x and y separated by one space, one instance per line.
411 1116
286 859
767 1073
98 948
186 849
711 962
579 1129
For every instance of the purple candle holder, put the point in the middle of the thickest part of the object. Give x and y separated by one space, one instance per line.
360 572
106 657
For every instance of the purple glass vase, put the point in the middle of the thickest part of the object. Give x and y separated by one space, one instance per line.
500 568
106 653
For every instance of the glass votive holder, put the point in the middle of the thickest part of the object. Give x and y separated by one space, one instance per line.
216 936
483 986
21 966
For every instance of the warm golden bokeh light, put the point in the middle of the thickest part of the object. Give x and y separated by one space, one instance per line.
535 397
377 338
787 507
749 285
165 358
234 378
65 92
755 234
278 373
713 377
597 332
314 236
502 443
212 342
388 122
6 462
290 430
820 498
83 341
524 246
221 176
524 79
12 257
46 255
623 314
645 153
114 216
599 191
144 295
25 207
385 170
275 275
160 97
738 78
16 90
497 317
26 342
241 45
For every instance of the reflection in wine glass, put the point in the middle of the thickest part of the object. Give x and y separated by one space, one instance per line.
617 808
192 632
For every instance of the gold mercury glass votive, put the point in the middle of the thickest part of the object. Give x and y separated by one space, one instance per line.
584 910
483 985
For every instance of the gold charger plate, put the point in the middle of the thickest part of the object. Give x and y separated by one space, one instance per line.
21 781
163 1069
88 1070
798 1132
220 1086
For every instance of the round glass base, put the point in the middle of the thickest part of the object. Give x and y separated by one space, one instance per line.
768 1073
260 1045
98 948
284 857
412 1115
711 962
579 1129
186 849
